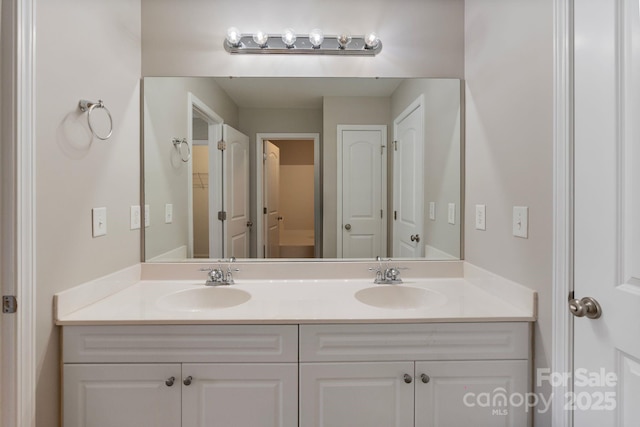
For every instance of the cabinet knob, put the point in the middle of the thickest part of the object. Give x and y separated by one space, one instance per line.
169 382
407 378
187 381
425 378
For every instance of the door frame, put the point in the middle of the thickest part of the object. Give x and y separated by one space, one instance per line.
317 196
563 184
385 204
17 220
215 160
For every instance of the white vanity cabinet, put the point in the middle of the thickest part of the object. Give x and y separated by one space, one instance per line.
309 375
422 375
176 376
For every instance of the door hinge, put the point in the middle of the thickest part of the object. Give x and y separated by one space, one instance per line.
222 145
264 211
9 304
382 150
395 145
395 215
381 213
222 215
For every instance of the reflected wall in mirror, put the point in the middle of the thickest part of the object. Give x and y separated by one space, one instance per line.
302 168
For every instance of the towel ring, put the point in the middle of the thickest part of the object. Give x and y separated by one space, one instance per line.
178 143
88 106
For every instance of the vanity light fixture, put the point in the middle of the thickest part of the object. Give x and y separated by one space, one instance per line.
313 43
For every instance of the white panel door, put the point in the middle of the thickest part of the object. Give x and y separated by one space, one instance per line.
120 395
356 394
363 192
607 212
471 393
272 199
408 186
240 395
236 193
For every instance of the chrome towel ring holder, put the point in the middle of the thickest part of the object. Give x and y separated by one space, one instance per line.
178 143
88 107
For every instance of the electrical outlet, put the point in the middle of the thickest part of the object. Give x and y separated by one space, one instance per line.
99 216
147 216
521 221
481 217
135 217
452 213
168 213
432 211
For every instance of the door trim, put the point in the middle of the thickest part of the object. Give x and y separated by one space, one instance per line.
385 151
562 323
18 369
317 197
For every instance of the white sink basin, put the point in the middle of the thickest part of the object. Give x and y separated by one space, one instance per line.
399 297
204 298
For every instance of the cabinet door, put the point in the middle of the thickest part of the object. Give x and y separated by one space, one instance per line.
479 394
356 394
240 395
122 395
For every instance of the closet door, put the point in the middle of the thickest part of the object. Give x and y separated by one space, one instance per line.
236 193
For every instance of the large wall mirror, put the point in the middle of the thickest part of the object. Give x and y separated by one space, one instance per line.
299 168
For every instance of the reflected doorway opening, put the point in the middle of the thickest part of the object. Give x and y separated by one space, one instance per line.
204 130
288 201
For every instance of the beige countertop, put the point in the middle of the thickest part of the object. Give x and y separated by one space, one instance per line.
458 299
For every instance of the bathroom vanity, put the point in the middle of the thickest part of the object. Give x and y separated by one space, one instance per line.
429 352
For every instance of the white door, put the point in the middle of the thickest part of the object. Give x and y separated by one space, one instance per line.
356 394
607 212
229 395
272 199
122 395
362 191
452 393
236 193
408 186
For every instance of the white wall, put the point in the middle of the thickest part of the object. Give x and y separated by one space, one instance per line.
165 117
85 50
509 124
421 38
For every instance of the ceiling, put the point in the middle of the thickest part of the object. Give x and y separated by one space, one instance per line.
301 92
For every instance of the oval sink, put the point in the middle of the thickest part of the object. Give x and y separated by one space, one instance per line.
399 297
205 298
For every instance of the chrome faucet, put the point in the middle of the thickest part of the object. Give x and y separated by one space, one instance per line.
387 275
218 277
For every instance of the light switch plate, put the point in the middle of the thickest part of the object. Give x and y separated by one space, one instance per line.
481 217
432 211
135 217
452 213
168 213
147 216
99 216
521 221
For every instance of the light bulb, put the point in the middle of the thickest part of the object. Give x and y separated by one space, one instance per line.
344 39
371 41
234 36
316 37
289 37
261 38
